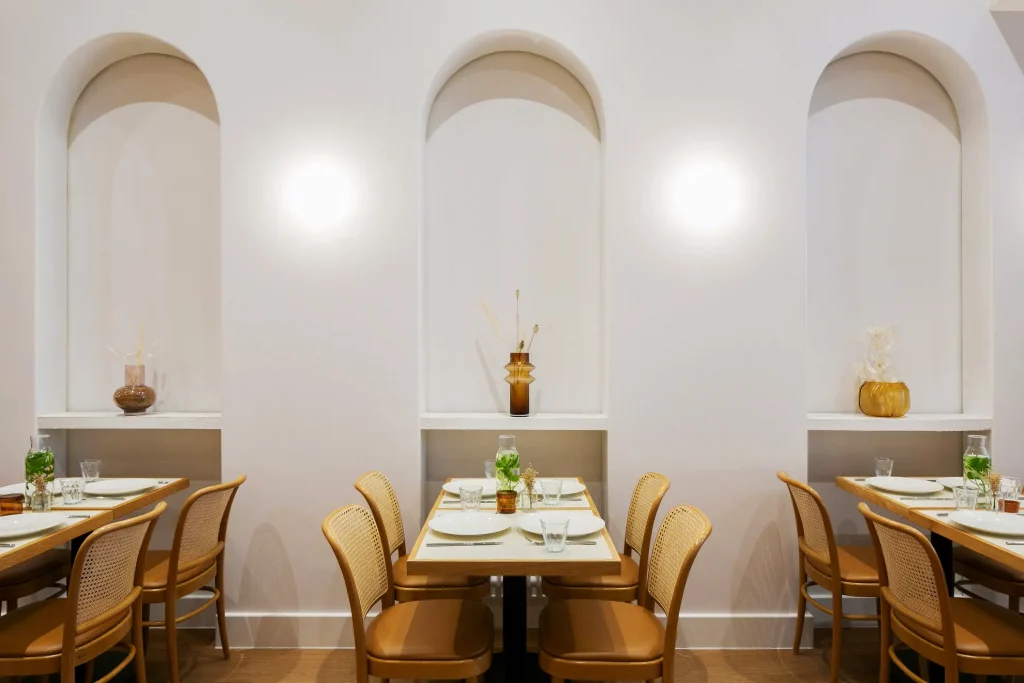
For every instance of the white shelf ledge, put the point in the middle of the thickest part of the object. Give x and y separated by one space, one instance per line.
115 420
551 422
912 422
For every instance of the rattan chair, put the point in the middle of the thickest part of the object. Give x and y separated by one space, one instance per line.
964 635
601 640
841 570
380 496
104 605
197 554
643 509
43 571
433 639
978 570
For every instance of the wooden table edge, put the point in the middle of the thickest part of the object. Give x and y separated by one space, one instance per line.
968 539
870 495
80 527
129 506
569 567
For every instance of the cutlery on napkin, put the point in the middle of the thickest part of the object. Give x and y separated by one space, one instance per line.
79 516
1015 543
446 545
6 545
922 498
567 542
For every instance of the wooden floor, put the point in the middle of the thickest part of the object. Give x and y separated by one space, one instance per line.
202 663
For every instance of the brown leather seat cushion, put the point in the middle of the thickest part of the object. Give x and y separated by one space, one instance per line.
982 629
991 567
431 630
600 630
157 564
406 580
37 630
44 563
857 564
629 574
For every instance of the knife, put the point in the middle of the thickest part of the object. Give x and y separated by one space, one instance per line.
922 498
447 545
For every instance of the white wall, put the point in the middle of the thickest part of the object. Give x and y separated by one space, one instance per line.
706 330
883 248
512 200
144 234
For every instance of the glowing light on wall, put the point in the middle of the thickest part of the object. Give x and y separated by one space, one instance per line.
319 195
706 195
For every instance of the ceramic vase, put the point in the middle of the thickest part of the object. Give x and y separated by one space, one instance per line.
134 398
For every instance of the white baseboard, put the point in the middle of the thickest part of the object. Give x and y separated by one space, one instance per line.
310 630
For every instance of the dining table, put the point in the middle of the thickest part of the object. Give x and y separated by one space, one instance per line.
934 511
514 554
82 518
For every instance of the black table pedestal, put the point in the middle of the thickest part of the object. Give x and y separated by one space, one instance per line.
514 664
944 549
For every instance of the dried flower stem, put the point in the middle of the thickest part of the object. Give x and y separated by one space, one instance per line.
519 343
494 323
536 329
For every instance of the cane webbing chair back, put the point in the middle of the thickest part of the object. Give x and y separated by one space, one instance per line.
680 537
643 508
201 522
107 574
352 533
909 571
813 526
380 496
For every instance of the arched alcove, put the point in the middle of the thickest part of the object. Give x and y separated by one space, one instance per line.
884 227
128 230
512 201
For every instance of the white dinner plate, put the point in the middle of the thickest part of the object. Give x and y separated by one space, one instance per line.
990 522
470 523
30 523
21 488
569 486
904 485
579 524
118 487
950 482
490 486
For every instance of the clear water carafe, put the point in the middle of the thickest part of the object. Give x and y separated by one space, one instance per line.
977 467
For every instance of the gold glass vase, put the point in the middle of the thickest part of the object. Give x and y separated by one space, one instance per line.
519 381
884 399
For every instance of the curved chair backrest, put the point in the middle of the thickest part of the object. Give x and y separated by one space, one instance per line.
910 575
813 526
106 579
202 527
680 537
352 533
643 510
380 496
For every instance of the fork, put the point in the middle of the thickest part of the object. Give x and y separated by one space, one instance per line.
567 542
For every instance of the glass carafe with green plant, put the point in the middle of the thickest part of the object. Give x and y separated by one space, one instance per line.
506 469
38 472
977 466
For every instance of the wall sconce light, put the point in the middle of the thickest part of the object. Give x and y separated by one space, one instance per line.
706 195
319 195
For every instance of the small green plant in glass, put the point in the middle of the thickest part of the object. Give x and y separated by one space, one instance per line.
977 465
38 462
506 463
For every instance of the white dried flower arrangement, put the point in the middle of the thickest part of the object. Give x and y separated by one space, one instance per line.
877 364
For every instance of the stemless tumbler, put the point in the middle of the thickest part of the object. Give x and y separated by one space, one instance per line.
883 467
966 497
90 470
551 490
470 497
555 530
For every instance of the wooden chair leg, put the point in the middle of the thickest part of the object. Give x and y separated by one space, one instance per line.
172 637
138 639
90 670
801 607
883 646
837 636
221 618
145 629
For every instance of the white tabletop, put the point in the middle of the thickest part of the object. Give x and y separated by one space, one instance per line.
15 550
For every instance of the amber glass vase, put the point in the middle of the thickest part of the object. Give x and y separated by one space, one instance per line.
884 399
505 502
134 398
519 381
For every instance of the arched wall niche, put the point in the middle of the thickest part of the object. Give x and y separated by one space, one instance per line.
953 75
141 77
512 200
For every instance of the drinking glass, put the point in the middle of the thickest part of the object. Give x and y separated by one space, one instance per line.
966 497
72 490
883 467
90 470
489 471
1009 493
555 530
470 497
551 490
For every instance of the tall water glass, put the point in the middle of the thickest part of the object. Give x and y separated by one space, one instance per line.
90 470
489 471
883 467
966 497
72 491
470 497
551 490
555 530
